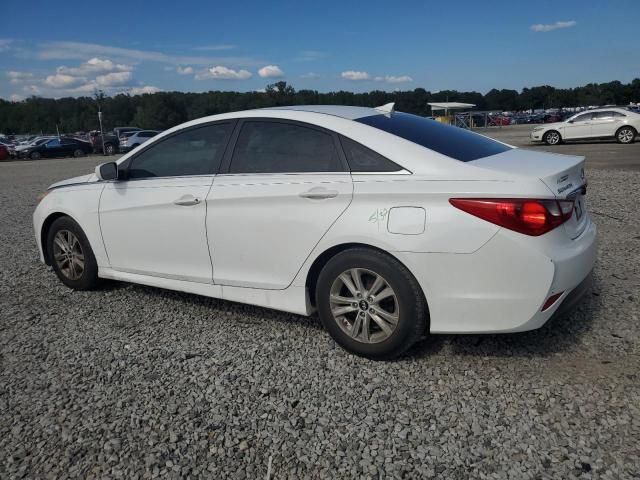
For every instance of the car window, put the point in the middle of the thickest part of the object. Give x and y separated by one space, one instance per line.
53 143
146 134
363 159
584 117
196 151
278 147
603 115
453 142
67 141
617 114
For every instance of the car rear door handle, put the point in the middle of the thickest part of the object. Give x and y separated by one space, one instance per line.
187 201
319 193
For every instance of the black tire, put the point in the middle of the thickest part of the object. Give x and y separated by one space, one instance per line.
626 135
78 152
89 277
412 323
552 137
35 156
110 149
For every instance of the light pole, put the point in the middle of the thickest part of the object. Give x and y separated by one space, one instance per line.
98 96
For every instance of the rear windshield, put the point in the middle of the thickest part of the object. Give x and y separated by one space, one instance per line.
451 141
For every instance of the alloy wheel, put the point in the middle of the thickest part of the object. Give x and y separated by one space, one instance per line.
626 135
68 254
553 138
364 305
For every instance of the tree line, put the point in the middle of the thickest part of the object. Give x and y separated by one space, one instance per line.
166 109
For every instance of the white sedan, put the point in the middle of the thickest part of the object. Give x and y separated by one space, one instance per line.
389 225
618 123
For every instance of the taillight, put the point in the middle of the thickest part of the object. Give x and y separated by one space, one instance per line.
523 215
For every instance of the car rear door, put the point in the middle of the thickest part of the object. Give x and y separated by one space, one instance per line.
281 188
153 222
605 124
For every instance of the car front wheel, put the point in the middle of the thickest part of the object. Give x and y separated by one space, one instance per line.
71 255
371 304
626 135
78 153
552 138
34 155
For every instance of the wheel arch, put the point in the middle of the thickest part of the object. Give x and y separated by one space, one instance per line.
44 232
321 260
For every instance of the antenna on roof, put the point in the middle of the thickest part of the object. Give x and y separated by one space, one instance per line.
387 109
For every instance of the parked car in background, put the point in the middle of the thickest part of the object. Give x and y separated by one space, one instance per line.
16 149
57 147
4 152
618 123
111 140
335 209
131 140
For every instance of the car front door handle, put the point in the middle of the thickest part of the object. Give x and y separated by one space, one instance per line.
319 193
187 201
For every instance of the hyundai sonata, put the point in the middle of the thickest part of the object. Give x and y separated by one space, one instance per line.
389 225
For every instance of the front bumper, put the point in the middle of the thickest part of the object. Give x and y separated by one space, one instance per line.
536 136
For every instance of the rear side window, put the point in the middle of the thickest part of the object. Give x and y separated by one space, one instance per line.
451 141
275 147
195 151
363 159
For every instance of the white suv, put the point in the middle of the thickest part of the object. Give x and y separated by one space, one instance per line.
618 123
131 140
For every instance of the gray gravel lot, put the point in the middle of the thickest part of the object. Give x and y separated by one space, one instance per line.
136 382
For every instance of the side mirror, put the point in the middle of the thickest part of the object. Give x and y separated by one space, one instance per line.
569 121
107 171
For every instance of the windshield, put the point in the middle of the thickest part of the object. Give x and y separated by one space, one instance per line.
453 142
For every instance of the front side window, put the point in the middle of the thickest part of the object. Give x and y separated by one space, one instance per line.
454 142
277 147
197 151
53 143
363 159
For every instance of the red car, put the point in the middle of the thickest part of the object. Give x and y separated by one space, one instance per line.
4 152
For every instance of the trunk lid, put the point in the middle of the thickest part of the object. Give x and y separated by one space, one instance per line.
562 174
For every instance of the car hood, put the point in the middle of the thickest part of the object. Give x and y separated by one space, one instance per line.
74 181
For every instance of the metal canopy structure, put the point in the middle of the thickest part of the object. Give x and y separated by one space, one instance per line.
446 106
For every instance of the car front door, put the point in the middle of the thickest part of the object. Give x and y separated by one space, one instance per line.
153 221
578 127
283 185
53 148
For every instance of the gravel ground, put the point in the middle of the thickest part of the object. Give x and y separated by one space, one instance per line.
137 382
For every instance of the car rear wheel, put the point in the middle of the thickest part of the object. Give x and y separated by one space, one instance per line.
552 137
78 153
626 135
71 256
110 149
34 155
371 304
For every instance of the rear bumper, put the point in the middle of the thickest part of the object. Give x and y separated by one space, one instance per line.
502 287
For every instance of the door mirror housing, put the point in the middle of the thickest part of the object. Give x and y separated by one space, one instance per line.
107 171
569 121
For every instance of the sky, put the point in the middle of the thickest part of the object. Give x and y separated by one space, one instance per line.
69 48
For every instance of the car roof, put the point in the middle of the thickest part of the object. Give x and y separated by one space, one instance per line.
343 111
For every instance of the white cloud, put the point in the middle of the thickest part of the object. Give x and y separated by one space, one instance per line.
143 90
223 73
18 77
94 66
214 48
81 50
394 79
5 44
16 98
113 78
31 89
541 27
270 71
309 76
61 80
354 75
184 71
